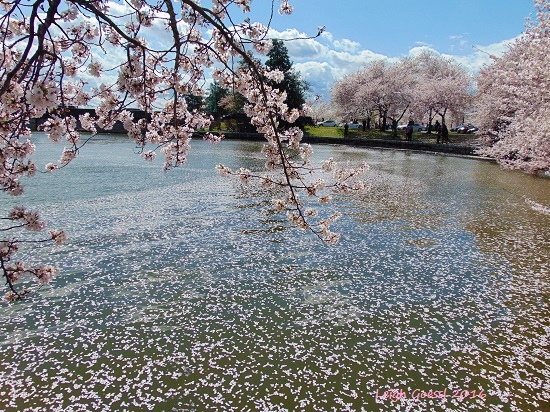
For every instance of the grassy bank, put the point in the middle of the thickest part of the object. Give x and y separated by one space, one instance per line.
386 135
339 132
372 134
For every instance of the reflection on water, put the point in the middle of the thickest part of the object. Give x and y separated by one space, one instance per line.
178 292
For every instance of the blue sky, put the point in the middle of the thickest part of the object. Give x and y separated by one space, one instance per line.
392 27
359 31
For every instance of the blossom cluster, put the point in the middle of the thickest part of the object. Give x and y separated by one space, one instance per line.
13 271
166 52
512 104
422 87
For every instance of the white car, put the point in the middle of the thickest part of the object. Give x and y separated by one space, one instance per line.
416 127
327 123
352 125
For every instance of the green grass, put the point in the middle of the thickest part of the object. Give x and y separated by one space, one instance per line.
339 132
387 135
370 134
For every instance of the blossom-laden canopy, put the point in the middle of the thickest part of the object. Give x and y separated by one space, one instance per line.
149 55
513 104
442 86
421 86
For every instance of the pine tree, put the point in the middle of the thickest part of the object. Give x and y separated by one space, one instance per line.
294 86
212 100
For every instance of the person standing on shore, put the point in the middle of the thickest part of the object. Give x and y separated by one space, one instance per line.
444 134
438 130
409 130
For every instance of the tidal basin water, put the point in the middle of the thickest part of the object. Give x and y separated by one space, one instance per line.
178 292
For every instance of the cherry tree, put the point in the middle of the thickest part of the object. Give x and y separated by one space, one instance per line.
425 85
320 109
513 105
381 87
349 104
441 86
399 92
148 55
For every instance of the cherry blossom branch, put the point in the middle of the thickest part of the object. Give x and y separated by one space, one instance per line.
13 272
44 54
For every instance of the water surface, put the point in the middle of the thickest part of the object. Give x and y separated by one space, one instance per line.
178 292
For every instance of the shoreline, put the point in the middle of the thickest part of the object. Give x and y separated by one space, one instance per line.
452 149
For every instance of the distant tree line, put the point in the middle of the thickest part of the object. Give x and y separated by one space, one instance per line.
418 88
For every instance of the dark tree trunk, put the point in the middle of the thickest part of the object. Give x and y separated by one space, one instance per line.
384 116
430 118
442 114
394 127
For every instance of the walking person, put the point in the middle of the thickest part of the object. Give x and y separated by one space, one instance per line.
346 128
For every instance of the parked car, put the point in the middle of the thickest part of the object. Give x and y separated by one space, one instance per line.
467 129
351 125
416 127
327 123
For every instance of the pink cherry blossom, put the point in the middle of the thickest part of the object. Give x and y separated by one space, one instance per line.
512 105
419 88
150 56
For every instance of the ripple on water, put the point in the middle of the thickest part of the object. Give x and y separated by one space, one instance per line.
174 296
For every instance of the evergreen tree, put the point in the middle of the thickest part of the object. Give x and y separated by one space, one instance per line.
294 86
212 101
194 102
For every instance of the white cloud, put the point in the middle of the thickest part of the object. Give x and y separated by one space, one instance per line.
458 41
481 55
498 49
299 46
319 75
323 60
326 59
347 45
416 51
326 35
422 44
302 50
